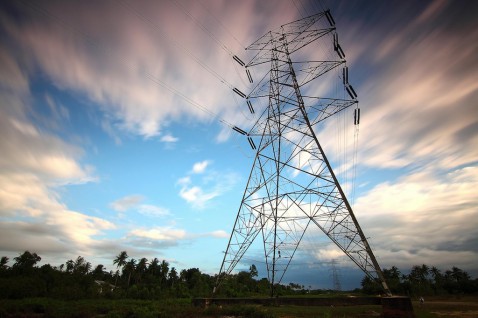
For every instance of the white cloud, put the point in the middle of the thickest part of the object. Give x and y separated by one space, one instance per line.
134 203
152 210
211 185
196 196
41 153
169 138
184 181
127 202
109 129
420 216
123 62
420 109
160 233
52 226
219 234
34 166
200 167
58 111
328 253
173 234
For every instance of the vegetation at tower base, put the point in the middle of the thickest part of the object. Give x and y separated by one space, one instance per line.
155 279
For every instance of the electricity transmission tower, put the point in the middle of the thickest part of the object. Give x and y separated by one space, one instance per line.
335 275
292 187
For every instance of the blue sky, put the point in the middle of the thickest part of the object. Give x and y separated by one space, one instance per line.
105 144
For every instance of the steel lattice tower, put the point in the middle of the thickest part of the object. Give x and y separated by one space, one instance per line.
292 186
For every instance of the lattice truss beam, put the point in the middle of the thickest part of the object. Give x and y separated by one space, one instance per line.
291 187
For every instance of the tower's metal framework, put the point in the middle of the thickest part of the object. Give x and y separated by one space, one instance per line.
292 186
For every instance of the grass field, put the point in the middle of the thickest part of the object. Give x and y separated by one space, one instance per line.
41 307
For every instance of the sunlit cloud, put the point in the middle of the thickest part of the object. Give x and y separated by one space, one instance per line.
127 202
55 228
34 165
174 234
160 233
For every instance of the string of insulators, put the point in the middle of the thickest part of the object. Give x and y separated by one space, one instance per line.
249 76
251 142
357 116
345 75
239 130
337 47
329 18
345 78
241 63
238 92
249 104
249 139
238 60
351 91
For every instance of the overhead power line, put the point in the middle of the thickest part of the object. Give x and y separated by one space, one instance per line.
152 24
107 51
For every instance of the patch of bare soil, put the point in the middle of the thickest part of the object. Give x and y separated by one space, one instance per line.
454 309
457 314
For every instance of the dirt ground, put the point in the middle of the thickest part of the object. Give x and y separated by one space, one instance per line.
448 308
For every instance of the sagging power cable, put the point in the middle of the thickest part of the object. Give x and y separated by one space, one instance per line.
107 51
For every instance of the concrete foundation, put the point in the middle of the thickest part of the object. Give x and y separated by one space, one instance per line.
397 307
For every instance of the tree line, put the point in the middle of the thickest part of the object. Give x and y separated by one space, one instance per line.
155 279
424 280
131 278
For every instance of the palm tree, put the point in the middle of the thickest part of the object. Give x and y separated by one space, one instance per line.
120 261
436 273
87 267
99 271
392 277
153 267
69 266
141 268
459 275
3 262
81 266
164 270
437 279
129 268
425 269
173 277
116 275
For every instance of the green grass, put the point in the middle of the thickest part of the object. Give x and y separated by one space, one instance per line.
97 308
326 312
52 308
